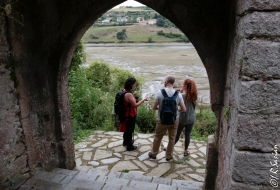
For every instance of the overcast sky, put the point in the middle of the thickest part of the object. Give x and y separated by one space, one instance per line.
130 3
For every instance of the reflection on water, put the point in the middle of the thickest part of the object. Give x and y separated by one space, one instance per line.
153 62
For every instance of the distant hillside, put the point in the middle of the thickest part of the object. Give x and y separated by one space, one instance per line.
142 24
141 8
135 34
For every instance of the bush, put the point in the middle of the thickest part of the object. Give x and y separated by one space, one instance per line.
184 39
150 39
90 106
93 37
118 77
205 124
146 117
160 33
91 94
79 56
99 75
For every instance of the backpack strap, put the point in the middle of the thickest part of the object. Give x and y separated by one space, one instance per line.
175 93
163 92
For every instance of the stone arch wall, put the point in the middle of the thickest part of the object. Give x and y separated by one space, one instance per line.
249 134
233 42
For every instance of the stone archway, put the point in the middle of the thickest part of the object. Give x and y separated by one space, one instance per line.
237 42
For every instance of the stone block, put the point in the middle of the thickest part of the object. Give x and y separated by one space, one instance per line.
46 176
259 97
119 181
259 24
65 172
244 6
161 180
238 186
182 184
88 184
257 133
135 177
4 46
211 163
143 185
259 58
252 168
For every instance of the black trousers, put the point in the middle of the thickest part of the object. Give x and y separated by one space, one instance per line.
128 135
188 130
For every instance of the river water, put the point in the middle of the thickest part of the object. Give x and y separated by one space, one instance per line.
153 62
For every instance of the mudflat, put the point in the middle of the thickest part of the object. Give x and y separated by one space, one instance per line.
153 62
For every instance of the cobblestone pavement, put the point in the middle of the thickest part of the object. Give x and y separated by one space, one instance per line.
104 150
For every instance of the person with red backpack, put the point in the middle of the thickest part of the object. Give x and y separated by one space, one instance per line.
167 102
128 117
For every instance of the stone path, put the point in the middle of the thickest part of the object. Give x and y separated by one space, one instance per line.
104 150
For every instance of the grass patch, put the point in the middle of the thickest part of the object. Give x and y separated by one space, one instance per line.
125 171
135 34
10 180
182 161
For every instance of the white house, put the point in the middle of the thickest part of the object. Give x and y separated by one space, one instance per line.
107 20
152 21
122 19
139 19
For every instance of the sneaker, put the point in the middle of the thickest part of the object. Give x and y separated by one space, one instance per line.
167 159
131 148
150 155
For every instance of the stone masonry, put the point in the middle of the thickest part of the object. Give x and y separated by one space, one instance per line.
238 42
250 132
13 151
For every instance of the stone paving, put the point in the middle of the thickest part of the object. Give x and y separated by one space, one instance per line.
104 150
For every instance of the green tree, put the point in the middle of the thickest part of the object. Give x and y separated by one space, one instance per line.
122 35
160 22
79 56
99 75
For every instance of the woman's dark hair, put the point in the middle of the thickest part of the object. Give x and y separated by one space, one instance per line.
128 83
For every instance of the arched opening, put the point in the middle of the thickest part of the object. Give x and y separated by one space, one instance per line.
220 84
151 61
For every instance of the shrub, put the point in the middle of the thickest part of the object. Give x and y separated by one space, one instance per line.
79 56
160 33
90 106
146 117
184 38
150 39
93 37
118 77
99 75
205 123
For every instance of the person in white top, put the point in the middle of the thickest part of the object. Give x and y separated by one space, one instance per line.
161 129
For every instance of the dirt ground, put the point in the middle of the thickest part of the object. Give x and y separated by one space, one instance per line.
153 62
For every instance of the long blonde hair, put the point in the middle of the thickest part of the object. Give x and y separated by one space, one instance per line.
190 89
